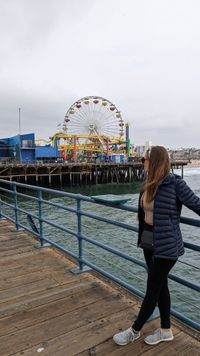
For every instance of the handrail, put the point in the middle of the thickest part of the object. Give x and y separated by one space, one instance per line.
79 212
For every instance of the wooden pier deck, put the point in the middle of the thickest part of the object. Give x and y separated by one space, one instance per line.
77 173
45 309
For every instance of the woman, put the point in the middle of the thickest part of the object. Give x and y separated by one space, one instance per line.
159 212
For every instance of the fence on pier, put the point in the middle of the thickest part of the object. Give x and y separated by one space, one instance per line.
30 208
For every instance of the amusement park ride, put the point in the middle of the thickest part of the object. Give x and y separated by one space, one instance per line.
92 126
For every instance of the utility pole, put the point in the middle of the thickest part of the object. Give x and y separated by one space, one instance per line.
19 121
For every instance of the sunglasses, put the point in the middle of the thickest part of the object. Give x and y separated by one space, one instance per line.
143 159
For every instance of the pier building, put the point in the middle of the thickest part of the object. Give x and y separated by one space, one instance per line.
22 149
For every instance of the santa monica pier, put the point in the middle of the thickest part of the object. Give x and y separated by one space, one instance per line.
71 273
91 146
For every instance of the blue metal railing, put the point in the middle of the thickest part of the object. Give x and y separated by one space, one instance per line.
15 190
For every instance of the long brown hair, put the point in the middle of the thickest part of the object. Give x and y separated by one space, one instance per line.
159 168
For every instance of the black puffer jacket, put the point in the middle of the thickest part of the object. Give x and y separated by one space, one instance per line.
172 193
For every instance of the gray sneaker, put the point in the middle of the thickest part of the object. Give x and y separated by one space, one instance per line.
125 337
159 336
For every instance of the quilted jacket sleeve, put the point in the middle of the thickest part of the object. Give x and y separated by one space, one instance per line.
187 196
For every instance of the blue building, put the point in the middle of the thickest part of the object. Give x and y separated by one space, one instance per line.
46 153
22 149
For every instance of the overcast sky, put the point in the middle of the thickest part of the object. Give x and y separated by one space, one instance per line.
142 55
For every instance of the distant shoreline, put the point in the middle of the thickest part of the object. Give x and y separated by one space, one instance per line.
195 163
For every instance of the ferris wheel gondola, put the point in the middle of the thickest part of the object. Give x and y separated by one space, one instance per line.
94 116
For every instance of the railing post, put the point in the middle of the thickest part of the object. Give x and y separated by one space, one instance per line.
40 216
16 206
80 241
1 216
82 268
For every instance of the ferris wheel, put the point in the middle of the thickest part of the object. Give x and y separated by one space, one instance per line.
94 116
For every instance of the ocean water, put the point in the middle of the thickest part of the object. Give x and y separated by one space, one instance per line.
188 267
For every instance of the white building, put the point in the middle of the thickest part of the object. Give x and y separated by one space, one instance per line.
141 149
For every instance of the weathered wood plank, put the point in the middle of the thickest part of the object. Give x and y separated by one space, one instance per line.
44 297
16 245
82 338
13 251
59 275
54 309
42 332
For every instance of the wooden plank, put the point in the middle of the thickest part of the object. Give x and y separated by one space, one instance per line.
19 291
43 297
53 309
19 260
42 332
15 251
29 258
59 275
17 243
11 237
24 265
51 280
82 338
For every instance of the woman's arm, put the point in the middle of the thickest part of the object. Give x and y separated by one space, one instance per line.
187 196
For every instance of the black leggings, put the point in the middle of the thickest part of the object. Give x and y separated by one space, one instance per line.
157 291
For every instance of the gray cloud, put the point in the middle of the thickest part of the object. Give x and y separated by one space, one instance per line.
142 55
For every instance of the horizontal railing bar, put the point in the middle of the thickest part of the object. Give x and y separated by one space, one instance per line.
29 230
21 225
8 204
113 278
187 302
72 210
46 190
8 217
115 251
6 190
185 319
118 267
7 197
184 220
184 282
113 222
138 262
59 247
126 207
109 221
31 214
71 232
132 228
190 221
46 239
189 264
46 202
26 196
192 246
